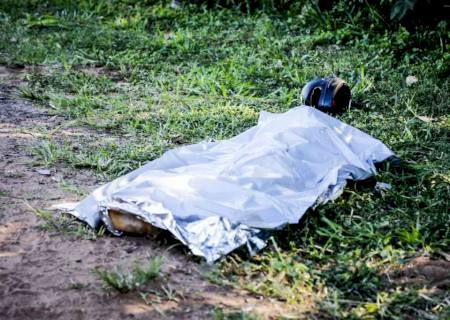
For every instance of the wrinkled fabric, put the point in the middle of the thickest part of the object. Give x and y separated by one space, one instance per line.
217 196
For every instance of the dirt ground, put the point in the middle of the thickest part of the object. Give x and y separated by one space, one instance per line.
44 275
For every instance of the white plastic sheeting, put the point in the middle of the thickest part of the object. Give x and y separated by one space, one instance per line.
217 196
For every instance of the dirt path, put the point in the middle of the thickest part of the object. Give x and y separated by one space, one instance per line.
44 275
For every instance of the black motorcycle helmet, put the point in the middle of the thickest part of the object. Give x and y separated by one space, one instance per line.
330 94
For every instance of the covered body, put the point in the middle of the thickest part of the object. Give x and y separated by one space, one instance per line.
217 196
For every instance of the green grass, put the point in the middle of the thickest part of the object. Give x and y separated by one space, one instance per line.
153 78
220 314
67 225
128 281
164 292
76 285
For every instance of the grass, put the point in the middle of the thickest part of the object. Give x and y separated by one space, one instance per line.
67 225
220 314
128 281
153 78
165 292
79 191
76 285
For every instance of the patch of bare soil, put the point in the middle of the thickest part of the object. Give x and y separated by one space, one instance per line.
44 275
422 271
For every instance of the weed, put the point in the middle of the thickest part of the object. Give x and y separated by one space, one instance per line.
67 225
129 281
221 314
75 285
167 293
